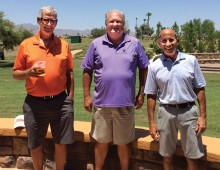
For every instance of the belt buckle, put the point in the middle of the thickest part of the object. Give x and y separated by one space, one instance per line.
48 97
188 104
177 106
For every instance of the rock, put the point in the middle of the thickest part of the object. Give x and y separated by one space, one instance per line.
24 163
7 162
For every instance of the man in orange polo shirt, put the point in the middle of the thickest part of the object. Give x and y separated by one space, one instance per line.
46 63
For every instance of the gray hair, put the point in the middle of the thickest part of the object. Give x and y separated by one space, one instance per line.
47 9
114 10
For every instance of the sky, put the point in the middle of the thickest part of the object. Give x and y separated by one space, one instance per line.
89 14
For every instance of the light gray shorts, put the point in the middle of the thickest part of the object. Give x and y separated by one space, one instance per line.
170 119
113 124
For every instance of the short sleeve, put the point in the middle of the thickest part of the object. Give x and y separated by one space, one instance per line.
88 61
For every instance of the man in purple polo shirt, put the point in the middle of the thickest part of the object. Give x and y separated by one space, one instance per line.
114 59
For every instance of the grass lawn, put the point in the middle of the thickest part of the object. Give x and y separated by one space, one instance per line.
13 93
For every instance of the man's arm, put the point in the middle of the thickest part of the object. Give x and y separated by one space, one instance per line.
86 81
201 98
70 83
21 74
142 80
151 104
31 72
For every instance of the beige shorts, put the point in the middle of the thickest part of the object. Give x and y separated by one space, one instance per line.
113 125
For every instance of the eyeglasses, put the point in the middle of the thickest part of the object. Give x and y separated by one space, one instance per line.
51 21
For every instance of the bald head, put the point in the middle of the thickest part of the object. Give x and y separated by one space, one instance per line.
168 42
167 31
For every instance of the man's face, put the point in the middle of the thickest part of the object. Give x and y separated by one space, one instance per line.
47 24
115 26
168 42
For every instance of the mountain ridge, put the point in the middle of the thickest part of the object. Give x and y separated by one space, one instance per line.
57 31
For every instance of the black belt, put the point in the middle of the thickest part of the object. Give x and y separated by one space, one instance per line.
47 97
182 105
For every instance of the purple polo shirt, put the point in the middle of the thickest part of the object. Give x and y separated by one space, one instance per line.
114 70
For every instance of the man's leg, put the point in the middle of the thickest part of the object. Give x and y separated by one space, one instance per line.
60 156
168 163
37 157
192 164
101 150
124 153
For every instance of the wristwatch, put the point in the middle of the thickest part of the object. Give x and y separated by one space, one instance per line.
141 94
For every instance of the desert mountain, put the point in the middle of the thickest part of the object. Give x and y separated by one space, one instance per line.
58 32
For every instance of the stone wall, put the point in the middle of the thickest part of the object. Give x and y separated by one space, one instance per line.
207 58
15 153
203 58
207 55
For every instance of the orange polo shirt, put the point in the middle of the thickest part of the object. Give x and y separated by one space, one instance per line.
58 59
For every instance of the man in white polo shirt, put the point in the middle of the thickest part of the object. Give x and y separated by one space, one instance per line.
177 81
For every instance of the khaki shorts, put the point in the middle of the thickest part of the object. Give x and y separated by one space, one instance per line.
113 124
170 120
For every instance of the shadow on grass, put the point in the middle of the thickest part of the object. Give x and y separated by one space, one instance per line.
4 64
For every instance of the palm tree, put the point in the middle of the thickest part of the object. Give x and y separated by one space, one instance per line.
148 18
144 21
136 21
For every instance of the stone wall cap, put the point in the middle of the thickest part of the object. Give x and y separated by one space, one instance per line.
143 138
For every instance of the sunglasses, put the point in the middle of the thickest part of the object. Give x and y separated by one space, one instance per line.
47 21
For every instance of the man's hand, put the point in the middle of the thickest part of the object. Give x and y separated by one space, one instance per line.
200 126
139 101
88 104
37 70
154 131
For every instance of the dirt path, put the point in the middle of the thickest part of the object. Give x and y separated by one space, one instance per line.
74 52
